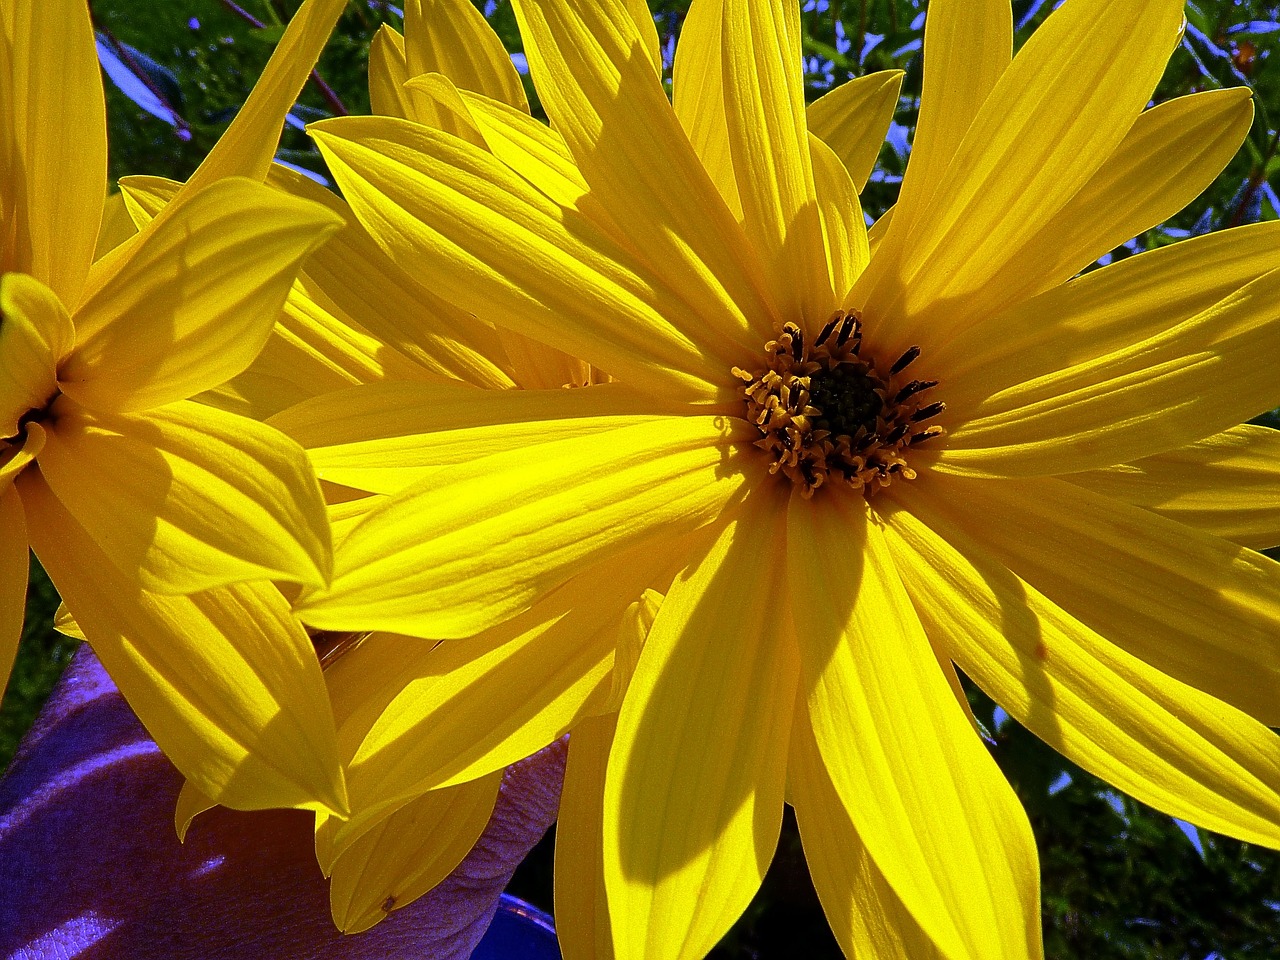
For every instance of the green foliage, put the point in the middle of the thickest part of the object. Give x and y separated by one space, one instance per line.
1120 880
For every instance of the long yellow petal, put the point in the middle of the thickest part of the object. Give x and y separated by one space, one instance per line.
1171 154
472 230
1207 373
693 799
1198 608
967 48
388 70
14 563
936 815
53 143
750 84
246 148
1099 313
1051 121
225 681
186 497
409 852
453 38
1227 485
844 231
600 89
384 437
867 917
35 335
853 119
470 546
195 300
1163 742
582 912
117 225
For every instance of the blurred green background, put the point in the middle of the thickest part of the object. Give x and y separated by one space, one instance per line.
1120 880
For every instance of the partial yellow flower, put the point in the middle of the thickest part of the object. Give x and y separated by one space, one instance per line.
160 520
864 483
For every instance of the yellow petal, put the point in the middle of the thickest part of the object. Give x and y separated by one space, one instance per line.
582 913
117 225
453 38
967 48
409 852
14 563
1201 609
225 681
854 118
467 708
14 460
471 546
476 233
436 102
246 148
186 497
530 148
388 70
742 61
844 231
937 817
1163 742
35 336
1194 378
195 299
53 143
191 803
385 437
1099 313
1171 154
352 278
1227 485
866 915
1051 121
693 801
600 89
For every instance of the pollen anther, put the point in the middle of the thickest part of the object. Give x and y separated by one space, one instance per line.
824 410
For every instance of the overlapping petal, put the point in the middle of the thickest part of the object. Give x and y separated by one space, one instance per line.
452 37
701 743
478 234
53 143
186 497
1191 379
853 118
937 817
225 680
1030 148
195 299
1227 485
409 852
599 88
581 908
1200 609
866 915
1159 740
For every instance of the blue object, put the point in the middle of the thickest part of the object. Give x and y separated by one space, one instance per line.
520 931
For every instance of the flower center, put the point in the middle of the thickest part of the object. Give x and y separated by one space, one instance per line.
823 410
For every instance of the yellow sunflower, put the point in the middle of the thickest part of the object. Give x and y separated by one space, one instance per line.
845 470
161 521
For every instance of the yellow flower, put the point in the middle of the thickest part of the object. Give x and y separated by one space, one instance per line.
845 470
161 521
